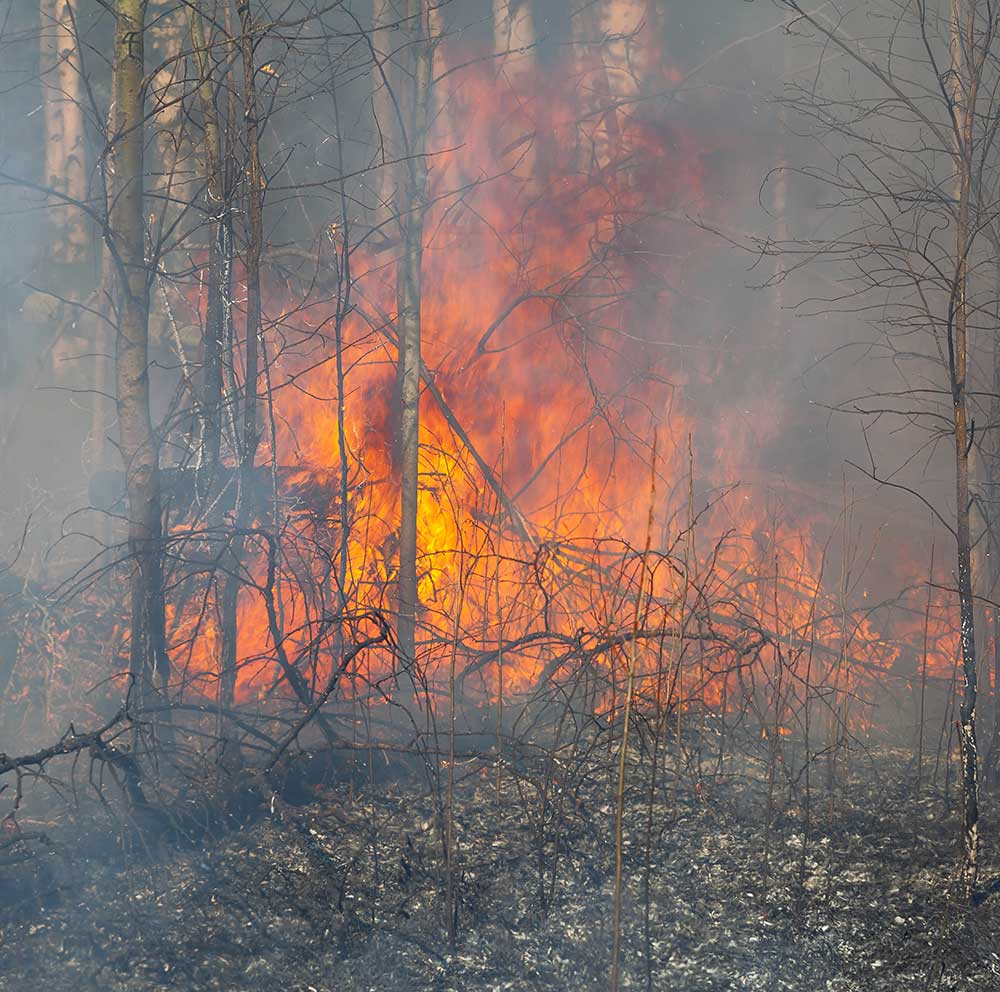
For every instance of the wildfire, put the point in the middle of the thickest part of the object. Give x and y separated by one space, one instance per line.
543 318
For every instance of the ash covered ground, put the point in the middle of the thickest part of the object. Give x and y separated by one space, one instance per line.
346 891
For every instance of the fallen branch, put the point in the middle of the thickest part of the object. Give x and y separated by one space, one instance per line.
70 743
74 743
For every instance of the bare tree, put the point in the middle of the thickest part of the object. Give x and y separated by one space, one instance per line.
913 176
126 241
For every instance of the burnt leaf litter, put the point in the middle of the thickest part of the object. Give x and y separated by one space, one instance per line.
346 892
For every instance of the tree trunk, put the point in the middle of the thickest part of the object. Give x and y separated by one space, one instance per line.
102 410
217 289
612 53
65 156
250 436
514 36
167 91
991 514
964 91
413 125
513 43
625 50
149 664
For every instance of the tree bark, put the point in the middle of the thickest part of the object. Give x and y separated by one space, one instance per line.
250 436
65 146
413 126
148 664
964 91
218 276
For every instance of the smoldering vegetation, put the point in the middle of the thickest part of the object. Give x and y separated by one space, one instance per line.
346 891
498 495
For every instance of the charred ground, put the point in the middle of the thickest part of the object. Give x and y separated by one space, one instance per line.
346 889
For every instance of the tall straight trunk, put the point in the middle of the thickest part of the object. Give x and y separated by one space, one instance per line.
991 512
149 664
101 416
65 157
625 54
250 435
413 103
166 91
964 92
217 289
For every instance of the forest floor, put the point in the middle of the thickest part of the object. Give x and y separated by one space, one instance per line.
346 893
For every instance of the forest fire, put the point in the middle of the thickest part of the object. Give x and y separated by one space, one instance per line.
539 523
505 278
544 384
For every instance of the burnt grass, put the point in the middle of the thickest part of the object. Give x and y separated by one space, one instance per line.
346 891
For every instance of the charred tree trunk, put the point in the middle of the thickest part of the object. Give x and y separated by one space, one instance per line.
148 663
413 126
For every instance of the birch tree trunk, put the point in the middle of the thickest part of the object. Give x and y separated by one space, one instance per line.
612 51
167 92
513 44
626 48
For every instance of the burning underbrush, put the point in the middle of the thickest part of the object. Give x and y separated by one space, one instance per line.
348 821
